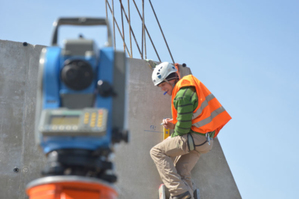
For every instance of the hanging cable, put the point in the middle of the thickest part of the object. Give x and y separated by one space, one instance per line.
147 32
161 30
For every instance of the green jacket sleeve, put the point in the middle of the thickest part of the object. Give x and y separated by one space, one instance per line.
185 103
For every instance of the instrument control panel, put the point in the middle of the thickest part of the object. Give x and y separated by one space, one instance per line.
88 121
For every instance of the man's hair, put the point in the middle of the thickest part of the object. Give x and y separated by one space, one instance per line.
171 76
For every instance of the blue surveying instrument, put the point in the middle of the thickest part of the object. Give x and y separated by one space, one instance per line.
81 106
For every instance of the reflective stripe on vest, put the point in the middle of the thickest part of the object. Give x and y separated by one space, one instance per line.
204 104
209 119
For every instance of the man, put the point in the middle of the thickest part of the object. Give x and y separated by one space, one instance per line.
197 118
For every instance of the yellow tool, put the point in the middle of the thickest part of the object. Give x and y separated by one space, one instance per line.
166 133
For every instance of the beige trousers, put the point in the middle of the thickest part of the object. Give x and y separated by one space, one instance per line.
174 161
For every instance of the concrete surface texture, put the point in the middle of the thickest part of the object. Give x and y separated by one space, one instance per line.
21 160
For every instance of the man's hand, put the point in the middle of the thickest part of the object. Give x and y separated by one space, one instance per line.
167 123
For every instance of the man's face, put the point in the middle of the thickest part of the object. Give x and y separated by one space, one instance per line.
167 87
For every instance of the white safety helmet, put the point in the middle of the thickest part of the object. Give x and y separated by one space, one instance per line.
161 71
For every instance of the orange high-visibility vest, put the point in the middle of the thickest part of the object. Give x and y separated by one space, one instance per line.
209 114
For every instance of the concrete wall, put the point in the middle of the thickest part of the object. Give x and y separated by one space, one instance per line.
137 174
18 79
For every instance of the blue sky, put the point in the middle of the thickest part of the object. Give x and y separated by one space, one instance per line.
245 52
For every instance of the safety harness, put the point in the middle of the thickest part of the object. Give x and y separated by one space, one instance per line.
191 144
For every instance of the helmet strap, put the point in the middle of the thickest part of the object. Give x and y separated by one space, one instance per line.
172 84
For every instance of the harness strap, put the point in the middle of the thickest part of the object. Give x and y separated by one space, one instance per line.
190 141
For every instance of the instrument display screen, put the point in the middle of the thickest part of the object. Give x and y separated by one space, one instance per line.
64 120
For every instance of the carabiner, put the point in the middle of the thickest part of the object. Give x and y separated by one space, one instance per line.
208 138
